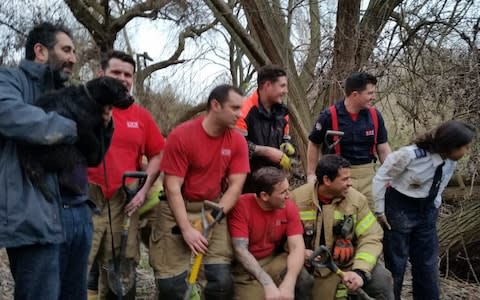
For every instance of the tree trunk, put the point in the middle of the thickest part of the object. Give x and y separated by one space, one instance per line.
345 46
354 42
268 42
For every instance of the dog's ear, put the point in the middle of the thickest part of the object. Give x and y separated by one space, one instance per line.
109 84
109 91
113 86
120 95
97 90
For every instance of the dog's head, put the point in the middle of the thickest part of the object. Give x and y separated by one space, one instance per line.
109 91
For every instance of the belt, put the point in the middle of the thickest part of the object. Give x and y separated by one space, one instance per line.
75 205
196 206
191 206
362 165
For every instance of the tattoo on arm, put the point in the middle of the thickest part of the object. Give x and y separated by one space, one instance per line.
248 261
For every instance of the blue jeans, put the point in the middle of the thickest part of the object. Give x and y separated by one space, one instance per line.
36 271
77 223
414 235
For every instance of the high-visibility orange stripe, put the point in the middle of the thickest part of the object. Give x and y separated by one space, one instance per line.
247 106
286 130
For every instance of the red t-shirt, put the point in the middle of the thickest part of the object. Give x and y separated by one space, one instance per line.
203 161
135 134
354 116
265 230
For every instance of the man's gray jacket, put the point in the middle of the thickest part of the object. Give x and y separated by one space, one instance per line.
26 217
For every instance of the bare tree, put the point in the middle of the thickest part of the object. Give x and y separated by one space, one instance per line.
266 39
17 18
105 19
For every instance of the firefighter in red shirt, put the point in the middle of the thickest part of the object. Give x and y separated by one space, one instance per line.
136 135
260 224
205 159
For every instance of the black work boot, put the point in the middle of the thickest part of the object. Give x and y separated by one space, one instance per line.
219 282
92 282
172 288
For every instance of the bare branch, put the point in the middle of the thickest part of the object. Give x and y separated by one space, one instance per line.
306 76
372 24
83 15
248 45
19 32
147 9
189 32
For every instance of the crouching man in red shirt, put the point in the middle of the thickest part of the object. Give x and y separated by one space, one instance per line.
259 225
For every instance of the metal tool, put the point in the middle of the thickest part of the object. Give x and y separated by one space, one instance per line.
121 270
207 223
337 136
322 258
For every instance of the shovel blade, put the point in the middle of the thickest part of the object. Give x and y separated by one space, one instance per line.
121 279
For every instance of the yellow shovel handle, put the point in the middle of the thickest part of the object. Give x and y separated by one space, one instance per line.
195 268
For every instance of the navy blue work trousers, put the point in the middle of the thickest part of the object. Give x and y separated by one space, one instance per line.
414 236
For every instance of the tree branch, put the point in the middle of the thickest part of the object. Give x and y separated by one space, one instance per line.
83 15
306 76
189 32
248 45
371 26
147 9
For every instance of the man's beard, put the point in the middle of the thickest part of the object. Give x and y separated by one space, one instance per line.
57 68
60 77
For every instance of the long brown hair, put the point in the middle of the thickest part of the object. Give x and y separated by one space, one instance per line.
447 137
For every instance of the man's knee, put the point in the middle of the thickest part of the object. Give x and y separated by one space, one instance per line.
173 287
304 285
380 285
219 282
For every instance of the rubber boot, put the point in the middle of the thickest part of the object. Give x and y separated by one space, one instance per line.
219 282
92 282
172 288
92 295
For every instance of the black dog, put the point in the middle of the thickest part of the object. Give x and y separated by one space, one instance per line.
83 104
